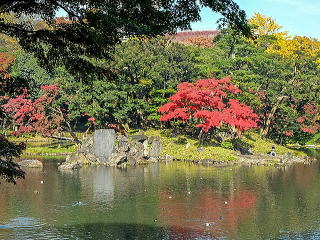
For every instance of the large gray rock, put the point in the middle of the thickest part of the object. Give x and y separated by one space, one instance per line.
73 161
87 146
136 151
31 163
146 152
156 147
123 144
76 158
103 144
117 159
67 166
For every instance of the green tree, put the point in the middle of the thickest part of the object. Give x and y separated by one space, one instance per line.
267 81
95 27
148 71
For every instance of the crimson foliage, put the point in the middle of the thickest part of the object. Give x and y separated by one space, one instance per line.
309 121
37 115
208 102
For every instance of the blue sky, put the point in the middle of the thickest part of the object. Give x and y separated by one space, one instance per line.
298 17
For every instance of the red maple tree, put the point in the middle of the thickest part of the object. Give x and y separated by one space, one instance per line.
209 102
39 115
309 120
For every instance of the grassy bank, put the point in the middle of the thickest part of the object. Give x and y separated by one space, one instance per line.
186 148
180 147
40 145
315 140
50 150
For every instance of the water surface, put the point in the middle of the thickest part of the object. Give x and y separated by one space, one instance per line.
175 201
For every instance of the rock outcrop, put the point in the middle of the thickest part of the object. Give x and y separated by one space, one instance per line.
31 163
131 150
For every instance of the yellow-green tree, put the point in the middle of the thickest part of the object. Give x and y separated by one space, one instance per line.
296 48
263 25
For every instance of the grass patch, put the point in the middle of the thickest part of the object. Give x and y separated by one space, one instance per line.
40 138
30 138
186 148
51 149
263 146
315 140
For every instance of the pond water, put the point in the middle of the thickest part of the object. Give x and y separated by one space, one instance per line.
175 201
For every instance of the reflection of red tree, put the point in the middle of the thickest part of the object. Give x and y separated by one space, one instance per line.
238 206
190 213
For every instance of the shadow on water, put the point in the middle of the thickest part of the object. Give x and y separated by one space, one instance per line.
98 230
113 231
176 201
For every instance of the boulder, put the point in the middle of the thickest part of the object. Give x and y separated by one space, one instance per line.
132 160
69 166
87 146
166 158
117 159
139 138
153 160
90 157
246 151
207 161
31 163
152 138
76 158
136 153
103 143
146 151
156 148
123 144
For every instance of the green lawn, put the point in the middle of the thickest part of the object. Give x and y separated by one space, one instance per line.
186 148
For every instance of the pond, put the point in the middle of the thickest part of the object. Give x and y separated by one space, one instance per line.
175 201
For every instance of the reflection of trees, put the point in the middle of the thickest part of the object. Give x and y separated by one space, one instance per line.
261 202
206 206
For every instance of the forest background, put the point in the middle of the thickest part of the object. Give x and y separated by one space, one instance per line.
277 77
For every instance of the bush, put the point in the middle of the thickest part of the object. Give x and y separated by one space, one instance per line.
227 145
239 144
181 140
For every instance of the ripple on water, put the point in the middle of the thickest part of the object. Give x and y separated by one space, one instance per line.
78 203
23 222
5 227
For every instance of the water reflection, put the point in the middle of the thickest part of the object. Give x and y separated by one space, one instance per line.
177 201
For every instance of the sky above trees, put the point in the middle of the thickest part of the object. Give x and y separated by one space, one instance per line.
298 17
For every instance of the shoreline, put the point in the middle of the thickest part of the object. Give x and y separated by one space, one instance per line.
177 148
244 160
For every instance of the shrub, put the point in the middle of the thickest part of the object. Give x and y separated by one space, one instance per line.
208 103
227 145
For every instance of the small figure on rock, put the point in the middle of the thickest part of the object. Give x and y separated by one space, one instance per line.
273 151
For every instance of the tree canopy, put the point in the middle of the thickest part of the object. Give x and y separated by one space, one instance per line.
92 28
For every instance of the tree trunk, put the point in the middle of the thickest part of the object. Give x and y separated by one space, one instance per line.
200 136
69 128
265 130
74 136
4 130
232 54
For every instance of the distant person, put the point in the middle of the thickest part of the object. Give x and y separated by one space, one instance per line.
273 151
